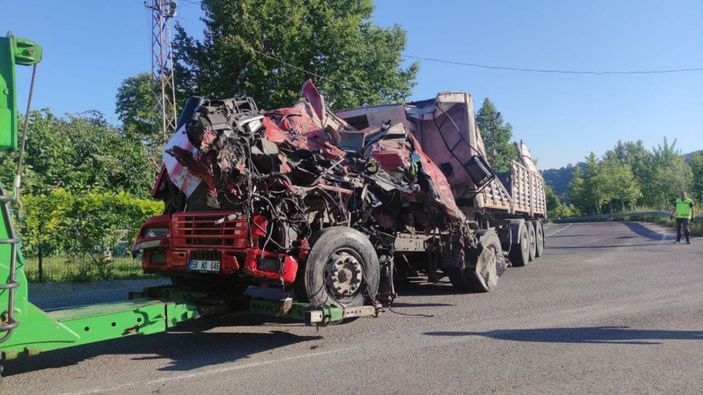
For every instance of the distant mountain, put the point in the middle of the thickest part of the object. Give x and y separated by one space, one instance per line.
689 155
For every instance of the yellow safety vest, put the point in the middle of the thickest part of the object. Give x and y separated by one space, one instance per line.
683 208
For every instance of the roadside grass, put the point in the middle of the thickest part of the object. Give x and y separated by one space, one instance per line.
67 268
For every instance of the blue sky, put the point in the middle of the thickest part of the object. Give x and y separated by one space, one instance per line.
91 46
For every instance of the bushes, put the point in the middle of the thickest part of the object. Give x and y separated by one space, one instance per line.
88 227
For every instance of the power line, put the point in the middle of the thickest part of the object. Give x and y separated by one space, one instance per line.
321 77
554 71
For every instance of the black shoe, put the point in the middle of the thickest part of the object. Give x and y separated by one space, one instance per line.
688 241
677 242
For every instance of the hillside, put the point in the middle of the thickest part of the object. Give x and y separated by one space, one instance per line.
689 155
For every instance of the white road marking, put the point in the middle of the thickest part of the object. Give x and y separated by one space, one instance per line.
210 372
559 230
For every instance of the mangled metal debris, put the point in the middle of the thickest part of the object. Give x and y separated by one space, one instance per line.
320 201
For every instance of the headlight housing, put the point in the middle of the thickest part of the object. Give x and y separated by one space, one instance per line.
155 232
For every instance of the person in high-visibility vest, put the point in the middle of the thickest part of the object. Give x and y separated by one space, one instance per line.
684 211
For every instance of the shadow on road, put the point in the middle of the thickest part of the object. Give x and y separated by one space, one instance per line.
186 348
595 335
646 232
420 286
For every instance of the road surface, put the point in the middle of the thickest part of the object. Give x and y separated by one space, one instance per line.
609 308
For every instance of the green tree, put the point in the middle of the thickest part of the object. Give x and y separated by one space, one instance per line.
670 174
577 189
552 199
584 190
267 48
634 154
496 136
616 185
86 225
80 153
696 164
135 106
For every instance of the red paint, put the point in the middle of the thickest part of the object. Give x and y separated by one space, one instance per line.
254 258
259 226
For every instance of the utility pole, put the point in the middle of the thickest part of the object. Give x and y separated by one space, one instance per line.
162 62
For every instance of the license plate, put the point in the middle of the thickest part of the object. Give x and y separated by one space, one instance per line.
198 265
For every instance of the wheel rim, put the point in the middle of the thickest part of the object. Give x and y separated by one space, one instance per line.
344 273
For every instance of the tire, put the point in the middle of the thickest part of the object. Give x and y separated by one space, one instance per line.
485 265
342 268
520 247
532 239
539 238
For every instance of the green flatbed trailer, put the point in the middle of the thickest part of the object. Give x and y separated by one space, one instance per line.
27 330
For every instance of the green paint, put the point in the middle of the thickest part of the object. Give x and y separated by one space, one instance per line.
13 51
40 331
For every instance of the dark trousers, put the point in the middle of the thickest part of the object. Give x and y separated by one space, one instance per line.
683 224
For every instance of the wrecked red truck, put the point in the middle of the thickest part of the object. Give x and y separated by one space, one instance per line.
332 207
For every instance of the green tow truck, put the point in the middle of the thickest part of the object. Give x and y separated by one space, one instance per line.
27 330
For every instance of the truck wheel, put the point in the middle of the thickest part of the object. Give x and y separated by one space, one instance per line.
520 251
485 265
342 268
539 238
531 234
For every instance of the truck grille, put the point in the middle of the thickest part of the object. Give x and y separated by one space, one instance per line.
199 229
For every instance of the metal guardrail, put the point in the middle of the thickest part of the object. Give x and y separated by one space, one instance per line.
621 217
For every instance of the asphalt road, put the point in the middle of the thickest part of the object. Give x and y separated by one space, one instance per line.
609 308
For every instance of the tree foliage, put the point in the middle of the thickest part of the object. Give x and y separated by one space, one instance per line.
669 175
496 136
696 164
135 106
629 174
79 153
617 186
555 208
582 189
267 48
89 225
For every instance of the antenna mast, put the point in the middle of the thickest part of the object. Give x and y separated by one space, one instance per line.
162 62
